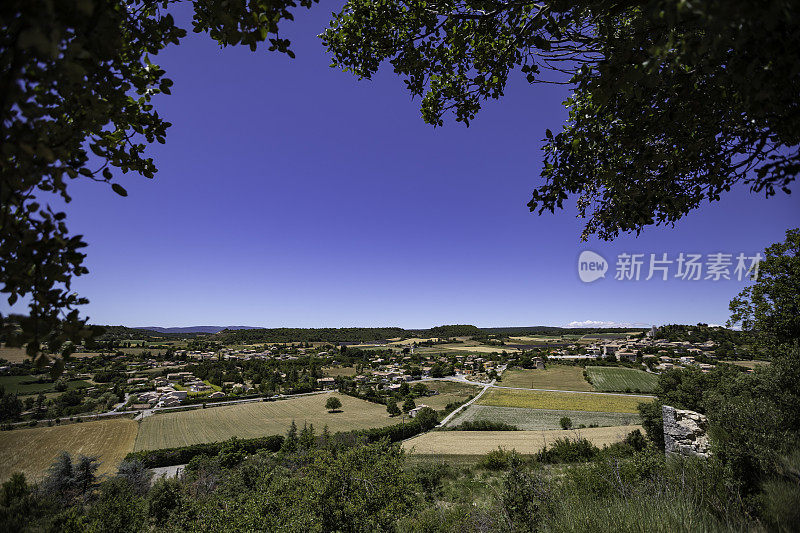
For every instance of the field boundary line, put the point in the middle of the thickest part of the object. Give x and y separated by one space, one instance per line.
576 391
464 406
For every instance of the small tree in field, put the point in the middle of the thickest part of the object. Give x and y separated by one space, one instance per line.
566 422
391 408
408 405
333 404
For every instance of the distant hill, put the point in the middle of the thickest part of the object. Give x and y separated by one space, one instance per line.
194 329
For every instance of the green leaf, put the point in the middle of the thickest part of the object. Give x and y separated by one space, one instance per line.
119 189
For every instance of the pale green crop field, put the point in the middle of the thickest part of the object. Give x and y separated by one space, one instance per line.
607 379
569 401
561 377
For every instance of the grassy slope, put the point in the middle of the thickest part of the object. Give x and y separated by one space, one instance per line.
31 451
561 377
608 379
606 403
526 442
449 391
15 384
257 419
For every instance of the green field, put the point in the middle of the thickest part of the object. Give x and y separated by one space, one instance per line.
608 379
535 419
257 419
449 391
560 377
17 385
568 401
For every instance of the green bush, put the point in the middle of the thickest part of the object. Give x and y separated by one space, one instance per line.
184 454
498 459
565 450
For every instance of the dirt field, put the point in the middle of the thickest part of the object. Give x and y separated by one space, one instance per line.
31 451
561 377
257 419
569 401
538 419
476 349
13 355
525 442
606 378
449 391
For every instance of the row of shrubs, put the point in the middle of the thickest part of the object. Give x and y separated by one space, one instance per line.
484 425
566 450
424 420
184 454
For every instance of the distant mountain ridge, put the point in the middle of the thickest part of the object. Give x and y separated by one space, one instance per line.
194 329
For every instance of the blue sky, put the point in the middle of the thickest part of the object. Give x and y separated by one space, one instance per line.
292 194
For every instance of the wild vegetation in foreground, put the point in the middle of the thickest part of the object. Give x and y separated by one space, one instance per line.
319 484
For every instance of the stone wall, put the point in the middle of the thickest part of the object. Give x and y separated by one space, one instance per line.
685 432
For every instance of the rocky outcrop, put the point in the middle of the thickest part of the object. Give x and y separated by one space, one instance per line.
685 432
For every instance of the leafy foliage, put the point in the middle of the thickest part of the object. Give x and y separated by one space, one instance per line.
770 307
673 102
75 103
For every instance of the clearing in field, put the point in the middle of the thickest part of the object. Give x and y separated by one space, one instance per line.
610 378
525 442
538 419
568 401
449 391
475 349
336 371
560 377
31 451
257 419
748 364
13 355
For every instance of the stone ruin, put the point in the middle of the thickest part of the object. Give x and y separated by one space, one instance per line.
685 432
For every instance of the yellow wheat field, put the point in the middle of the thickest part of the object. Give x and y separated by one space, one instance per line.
257 419
31 451
525 442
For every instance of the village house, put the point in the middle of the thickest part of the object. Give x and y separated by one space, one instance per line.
327 383
415 411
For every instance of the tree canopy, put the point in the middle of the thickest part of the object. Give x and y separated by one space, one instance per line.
75 102
770 307
674 102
